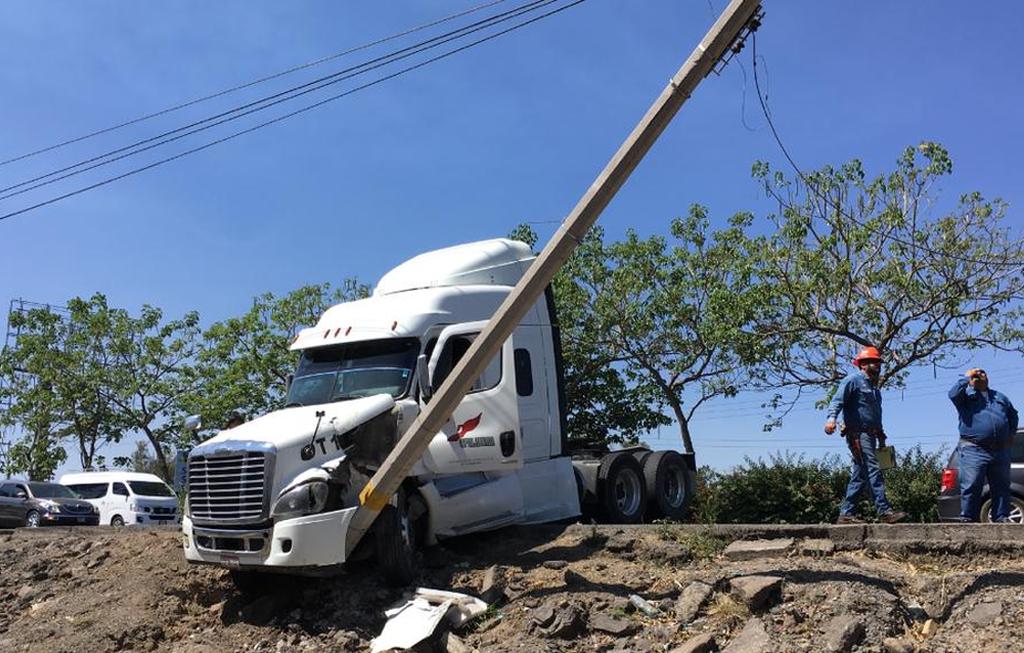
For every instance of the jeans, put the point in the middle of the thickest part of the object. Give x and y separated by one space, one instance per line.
866 474
977 464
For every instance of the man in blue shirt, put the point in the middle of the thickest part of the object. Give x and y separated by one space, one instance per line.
987 423
860 402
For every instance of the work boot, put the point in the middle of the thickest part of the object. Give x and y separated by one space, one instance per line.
849 519
892 517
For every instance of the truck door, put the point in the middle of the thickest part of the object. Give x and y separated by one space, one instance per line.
483 434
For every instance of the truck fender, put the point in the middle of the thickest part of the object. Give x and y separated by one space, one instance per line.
586 479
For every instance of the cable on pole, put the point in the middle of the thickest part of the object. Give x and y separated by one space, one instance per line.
839 209
291 114
265 102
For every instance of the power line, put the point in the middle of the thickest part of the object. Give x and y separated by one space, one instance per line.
255 82
288 115
722 411
837 206
267 101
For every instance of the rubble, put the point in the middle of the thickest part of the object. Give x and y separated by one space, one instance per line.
758 549
752 639
796 603
757 592
691 600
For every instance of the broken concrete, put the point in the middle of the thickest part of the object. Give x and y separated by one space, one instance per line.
985 613
700 644
752 639
757 592
843 633
691 600
612 625
817 547
758 549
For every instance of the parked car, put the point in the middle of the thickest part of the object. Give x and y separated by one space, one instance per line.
949 495
126 497
33 504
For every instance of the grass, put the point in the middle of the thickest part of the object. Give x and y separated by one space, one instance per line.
703 544
729 609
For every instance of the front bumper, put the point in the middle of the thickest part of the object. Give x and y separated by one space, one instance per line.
156 520
303 542
68 519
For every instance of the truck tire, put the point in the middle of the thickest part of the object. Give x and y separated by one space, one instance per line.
621 487
396 542
666 476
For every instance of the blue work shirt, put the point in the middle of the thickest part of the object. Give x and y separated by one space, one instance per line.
987 418
860 403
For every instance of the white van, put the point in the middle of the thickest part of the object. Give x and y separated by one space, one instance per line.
126 497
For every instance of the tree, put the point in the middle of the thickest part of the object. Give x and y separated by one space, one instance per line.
863 261
60 364
142 462
151 373
28 394
678 319
245 361
602 406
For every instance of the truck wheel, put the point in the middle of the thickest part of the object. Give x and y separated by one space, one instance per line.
396 541
622 489
32 519
665 474
117 520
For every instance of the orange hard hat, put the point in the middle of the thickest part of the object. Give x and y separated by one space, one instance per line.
867 354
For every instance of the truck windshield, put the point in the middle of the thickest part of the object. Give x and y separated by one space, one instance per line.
359 369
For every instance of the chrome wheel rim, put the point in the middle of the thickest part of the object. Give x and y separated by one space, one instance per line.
627 492
675 487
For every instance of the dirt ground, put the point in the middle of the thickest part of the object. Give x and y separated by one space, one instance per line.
131 590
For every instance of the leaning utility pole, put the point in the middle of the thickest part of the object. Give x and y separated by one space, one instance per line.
378 491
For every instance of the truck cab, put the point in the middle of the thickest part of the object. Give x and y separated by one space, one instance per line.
278 492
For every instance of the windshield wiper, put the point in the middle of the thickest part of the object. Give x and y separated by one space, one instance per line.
292 404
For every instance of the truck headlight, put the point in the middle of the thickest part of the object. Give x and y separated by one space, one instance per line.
305 499
52 507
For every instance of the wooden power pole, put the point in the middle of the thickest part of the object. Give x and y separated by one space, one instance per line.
531 286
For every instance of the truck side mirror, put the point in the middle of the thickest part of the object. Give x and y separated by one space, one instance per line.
288 382
193 423
423 378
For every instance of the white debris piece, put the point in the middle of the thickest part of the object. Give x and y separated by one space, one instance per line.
415 620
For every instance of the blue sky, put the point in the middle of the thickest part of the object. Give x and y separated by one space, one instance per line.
464 149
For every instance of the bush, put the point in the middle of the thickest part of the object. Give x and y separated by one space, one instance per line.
789 489
914 484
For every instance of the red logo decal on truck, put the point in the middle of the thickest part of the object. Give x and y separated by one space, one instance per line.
465 428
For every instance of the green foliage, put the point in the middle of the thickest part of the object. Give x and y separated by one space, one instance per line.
603 407
914 483
57 380
664 323
244 362
858 260
789 489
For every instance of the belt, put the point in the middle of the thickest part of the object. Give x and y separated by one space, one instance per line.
986 447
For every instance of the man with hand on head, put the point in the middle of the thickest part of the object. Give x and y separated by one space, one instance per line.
860 402
987 423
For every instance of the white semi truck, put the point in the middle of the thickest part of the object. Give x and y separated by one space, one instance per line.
277 493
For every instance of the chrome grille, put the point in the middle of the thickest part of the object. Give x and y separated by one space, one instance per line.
228 487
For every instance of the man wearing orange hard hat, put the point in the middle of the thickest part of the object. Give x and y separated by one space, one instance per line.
860 403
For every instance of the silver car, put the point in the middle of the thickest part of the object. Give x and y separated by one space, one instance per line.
34 503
